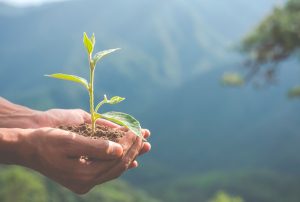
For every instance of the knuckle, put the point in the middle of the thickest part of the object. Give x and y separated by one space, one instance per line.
106 146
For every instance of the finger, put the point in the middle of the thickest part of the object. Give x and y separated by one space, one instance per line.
146 133
94 148
145 148
127 141
131 154
134 164
124 163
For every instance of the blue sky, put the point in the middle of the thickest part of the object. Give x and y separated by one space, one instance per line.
28 2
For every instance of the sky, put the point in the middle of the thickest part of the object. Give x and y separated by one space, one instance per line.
28 2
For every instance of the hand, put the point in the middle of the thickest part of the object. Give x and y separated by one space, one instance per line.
17 116
145 132
58 155
57 117
30 138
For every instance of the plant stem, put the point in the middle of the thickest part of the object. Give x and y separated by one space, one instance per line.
91 94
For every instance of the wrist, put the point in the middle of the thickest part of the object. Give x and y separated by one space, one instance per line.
21 119
17 116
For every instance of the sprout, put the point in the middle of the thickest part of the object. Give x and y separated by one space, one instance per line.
116 117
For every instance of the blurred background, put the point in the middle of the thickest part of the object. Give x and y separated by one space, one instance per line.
216 82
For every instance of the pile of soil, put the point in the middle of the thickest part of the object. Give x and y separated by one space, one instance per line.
101 131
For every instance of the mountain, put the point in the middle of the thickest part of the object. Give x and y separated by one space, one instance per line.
166 43
173 54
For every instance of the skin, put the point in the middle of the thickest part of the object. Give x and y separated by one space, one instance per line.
30 138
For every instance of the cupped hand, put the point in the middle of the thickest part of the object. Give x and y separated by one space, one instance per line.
145 132
57 117
76 162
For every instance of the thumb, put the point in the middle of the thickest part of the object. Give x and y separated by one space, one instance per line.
96 148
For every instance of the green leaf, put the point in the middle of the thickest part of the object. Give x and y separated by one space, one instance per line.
115 100
112 101
93 39
88 43
101 54
70 78
124 120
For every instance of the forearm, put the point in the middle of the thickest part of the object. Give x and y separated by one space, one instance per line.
16 116
12 146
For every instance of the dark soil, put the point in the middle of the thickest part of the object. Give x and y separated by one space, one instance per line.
101 131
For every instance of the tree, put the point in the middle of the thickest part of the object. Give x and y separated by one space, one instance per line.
275 39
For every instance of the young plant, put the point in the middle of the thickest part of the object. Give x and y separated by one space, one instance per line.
117 117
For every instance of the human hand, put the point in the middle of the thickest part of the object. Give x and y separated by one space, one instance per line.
58 117
58 155
17 116
26 118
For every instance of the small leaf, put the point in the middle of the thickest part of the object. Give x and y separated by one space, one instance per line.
112 101
124 120
70 78
88 43
101 54
93 39
115 100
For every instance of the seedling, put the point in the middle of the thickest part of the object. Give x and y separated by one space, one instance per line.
117 117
